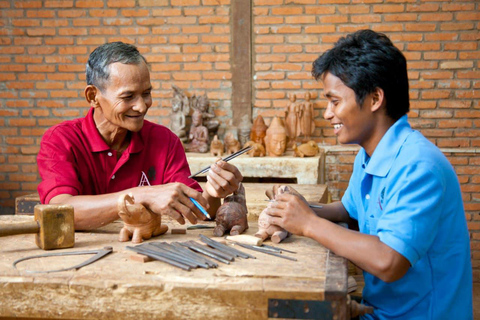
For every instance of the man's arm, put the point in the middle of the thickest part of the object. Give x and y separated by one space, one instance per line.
366 251
173 199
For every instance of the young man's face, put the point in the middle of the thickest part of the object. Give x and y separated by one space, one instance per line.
352 124
126 97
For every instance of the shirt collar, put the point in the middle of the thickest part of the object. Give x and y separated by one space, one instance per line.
387 149
97 144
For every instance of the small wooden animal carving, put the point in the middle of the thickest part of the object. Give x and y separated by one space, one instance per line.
139 222
216 147
265 229
232 214
258 149
232 145
309 149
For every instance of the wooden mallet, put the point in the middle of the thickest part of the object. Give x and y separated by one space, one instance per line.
52 224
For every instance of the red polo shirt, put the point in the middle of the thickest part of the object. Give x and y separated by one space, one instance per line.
74 159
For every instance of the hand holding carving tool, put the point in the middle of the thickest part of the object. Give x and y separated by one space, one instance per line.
226 159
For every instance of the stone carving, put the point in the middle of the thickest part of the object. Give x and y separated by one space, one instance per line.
276 138
307 122
180 109
259 131
216 147
244 130
232 145
292 119
309 149
258 149
232 214
198 135
201 104
139 222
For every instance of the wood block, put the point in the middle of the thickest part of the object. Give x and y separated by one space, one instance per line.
56 226
246 239
178 231
140 258
24 204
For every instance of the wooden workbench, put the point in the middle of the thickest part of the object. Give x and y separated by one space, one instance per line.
117 287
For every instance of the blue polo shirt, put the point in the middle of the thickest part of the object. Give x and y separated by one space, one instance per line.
408 195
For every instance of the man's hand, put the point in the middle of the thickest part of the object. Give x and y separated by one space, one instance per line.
222 179
173 199
279 189
291 213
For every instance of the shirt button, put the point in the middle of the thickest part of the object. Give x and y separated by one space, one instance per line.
113 177
367 196
110 154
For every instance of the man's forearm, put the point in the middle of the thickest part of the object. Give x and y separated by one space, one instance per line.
214 204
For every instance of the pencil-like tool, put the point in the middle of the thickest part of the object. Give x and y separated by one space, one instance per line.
202 209
310 205
226 159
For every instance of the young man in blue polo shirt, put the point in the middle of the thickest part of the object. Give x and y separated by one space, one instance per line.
413 241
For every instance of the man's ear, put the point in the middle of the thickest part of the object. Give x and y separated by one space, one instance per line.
378 99
91 95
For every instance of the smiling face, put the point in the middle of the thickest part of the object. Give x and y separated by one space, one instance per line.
126 98
352 124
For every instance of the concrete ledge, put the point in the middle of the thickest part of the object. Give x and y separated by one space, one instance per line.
306 170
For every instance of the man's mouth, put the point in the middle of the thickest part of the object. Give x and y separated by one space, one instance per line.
337 126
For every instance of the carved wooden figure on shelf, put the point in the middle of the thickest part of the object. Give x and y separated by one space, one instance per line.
139 222
259 131
216 147
292 120
232 214
309 149
244 129
307 122
232 145
276 138
201 104
258 149
198 135
180 109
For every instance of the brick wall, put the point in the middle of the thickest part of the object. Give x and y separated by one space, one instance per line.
44 46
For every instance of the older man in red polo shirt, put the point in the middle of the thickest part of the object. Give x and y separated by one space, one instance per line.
89 162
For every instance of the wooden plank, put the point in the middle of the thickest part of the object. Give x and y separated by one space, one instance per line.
117 287
241 60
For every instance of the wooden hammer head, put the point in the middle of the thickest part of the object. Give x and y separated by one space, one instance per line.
56 226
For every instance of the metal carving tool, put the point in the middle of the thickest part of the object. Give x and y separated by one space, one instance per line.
226 159
98 255
315 206
276 248
160 257
264 251
220 246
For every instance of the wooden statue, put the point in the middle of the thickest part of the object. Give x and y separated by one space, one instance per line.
180 109
307 122
276 138
232 214
309 149
198 135
216 147
292 119
258 149
201 104
232 145
139 222
265 229
244 129
259 130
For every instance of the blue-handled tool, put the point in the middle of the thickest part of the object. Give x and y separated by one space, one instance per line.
202 209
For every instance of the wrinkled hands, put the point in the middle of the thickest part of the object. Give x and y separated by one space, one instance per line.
289 210
173 199
223 179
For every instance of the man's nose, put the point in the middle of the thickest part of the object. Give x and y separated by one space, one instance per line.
328 114
141 105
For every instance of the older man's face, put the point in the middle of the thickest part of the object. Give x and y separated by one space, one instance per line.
126 97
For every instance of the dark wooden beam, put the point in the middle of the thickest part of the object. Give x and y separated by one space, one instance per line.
241 60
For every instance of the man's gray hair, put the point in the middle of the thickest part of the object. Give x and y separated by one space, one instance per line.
98 70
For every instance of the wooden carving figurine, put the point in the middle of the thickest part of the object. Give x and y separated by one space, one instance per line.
180 109
198 135
259 131
292 119
232 145
276 139
232 214
139 222
265 229
216 147
309 149
307 122
258 149
244 129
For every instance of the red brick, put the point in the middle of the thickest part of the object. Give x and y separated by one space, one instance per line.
456 26
89 3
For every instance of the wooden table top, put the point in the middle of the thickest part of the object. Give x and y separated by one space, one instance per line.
116 287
